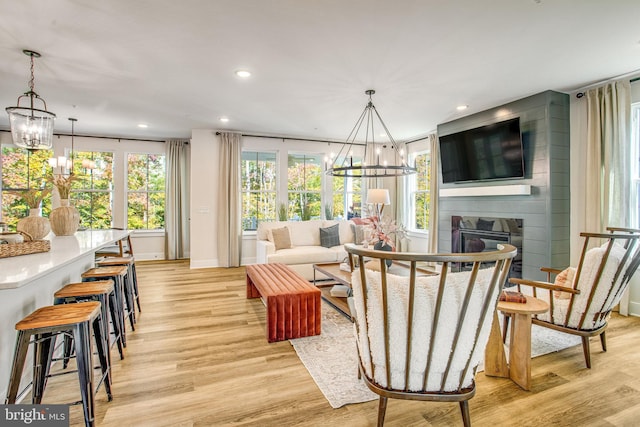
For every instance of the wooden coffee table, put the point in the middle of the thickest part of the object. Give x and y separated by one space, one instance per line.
519 366
337 276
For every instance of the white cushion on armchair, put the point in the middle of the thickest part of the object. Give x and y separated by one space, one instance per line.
590 267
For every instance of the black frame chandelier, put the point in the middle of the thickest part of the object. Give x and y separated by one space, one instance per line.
381 158
31 127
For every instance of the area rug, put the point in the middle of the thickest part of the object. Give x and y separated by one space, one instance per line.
332 360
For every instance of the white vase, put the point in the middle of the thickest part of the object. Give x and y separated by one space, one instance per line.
34 225
65 219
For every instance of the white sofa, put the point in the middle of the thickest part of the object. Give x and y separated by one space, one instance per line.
305 240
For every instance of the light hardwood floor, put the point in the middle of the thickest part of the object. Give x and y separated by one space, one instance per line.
199 357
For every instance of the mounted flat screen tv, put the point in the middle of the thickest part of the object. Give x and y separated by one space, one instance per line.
485 153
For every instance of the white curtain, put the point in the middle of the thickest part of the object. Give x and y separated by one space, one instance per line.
176 216
229 200
433 194
608 175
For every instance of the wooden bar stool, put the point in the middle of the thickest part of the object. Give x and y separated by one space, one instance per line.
102 291
44 325
130 262
123 292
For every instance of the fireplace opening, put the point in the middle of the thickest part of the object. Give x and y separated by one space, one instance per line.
479 234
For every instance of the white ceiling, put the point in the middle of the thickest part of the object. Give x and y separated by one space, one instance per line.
116 63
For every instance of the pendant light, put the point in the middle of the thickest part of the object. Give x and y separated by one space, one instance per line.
31 127
381 158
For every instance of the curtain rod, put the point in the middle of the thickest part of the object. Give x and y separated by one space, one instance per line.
418 139
101 137
622 76
316 140
292 138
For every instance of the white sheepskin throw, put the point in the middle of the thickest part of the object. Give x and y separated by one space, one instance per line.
371 329
592 260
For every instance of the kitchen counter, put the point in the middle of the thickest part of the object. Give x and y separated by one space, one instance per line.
21 270
28 282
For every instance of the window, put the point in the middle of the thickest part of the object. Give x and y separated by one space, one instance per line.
145 191
635 166
347 197
22 170
304 174
258 177
420 196
93 192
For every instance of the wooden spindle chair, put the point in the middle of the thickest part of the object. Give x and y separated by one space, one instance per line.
422 337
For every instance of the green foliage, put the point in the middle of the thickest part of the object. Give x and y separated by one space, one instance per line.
282 212
422 196
146 186
258 180
328 211
22 171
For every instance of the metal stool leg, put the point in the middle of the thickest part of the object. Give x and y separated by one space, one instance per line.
82 339
102 346
19 356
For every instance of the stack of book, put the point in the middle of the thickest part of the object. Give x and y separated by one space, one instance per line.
513 296
340 291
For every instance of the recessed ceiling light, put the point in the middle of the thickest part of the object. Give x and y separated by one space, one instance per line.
143 125
462 107
243 73
224 119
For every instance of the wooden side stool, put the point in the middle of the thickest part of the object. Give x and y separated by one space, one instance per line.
102 291
130 262
44 325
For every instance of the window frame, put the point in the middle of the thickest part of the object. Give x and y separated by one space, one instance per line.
413 191
634 204
128 191
261 191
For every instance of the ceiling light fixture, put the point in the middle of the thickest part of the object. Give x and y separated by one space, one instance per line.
243 73
224 119
143 125
380 159
462 107
31 128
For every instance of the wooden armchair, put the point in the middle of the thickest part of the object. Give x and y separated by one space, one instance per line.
582 306
422 337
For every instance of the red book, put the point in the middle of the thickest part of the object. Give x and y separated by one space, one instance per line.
513 296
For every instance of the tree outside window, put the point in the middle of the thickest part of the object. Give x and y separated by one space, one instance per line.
145 191
22 170
304 174
258 175
92 194
347 197
420 195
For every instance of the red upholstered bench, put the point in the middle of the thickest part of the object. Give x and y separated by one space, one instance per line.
293 304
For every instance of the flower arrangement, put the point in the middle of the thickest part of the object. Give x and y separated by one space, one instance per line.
63 184
33 196
383 229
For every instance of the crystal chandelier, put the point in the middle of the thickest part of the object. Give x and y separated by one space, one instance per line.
380 159
31 128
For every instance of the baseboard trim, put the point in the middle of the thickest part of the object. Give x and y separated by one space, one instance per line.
634 309
205 263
